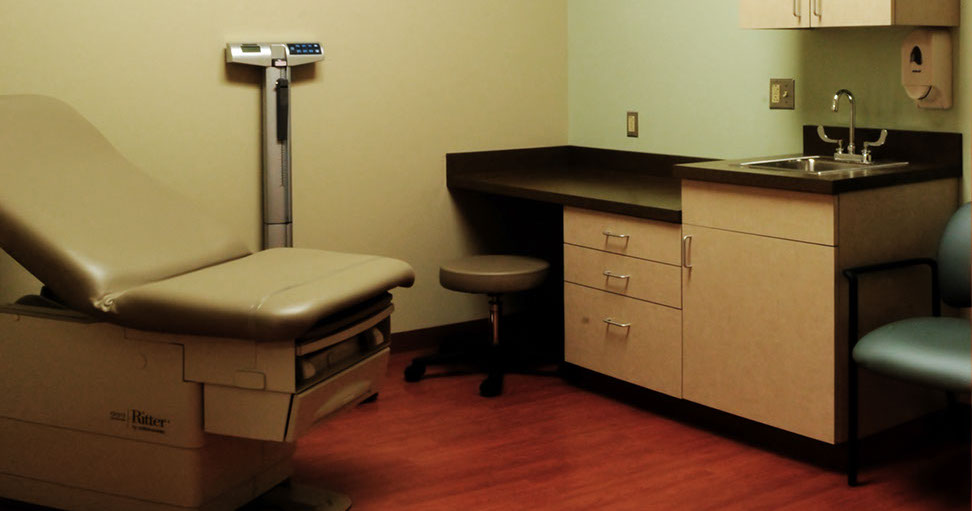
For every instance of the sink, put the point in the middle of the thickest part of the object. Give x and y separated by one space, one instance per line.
818 165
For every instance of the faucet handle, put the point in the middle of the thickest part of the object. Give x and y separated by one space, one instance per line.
868 145
823 136
878 142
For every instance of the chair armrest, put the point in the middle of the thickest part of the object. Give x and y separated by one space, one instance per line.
852 275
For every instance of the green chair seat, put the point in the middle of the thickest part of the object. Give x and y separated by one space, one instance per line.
931 351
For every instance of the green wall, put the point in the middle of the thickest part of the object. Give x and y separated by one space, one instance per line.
701 84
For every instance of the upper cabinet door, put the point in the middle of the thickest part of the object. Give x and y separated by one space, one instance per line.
853 13
847 13
774 13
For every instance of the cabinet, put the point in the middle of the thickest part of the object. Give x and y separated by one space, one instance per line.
846 13
764 305
758 338
753 319
622 298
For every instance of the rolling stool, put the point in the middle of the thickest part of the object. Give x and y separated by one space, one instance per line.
492 275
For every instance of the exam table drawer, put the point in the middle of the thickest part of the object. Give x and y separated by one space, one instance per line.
648 352
280 416
635 237
637 278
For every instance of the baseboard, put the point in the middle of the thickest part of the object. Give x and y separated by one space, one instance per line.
429 339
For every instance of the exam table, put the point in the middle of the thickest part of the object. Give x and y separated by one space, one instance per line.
164 366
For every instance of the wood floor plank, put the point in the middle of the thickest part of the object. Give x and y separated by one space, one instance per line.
437 445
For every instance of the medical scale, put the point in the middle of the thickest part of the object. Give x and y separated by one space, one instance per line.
277 59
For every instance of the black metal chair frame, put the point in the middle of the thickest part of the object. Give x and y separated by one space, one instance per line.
852 275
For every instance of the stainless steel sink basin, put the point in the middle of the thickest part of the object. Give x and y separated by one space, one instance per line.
818 165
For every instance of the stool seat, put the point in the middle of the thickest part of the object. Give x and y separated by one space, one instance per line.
493 274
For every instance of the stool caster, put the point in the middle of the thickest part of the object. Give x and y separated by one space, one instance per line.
414 372
491 386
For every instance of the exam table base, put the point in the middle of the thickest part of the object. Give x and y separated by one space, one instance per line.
258 466
294 497
68 443
272 484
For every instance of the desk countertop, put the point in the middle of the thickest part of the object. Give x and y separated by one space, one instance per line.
648 185
654 197
633 184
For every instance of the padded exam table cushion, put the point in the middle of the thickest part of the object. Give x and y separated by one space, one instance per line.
271 295
116 244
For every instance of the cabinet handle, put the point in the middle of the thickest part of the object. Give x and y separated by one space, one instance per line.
797 11
817 8
687 251
608 273
610 234
616 323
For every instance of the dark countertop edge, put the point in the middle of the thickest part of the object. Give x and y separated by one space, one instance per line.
506 159
654 164
469 182
717 172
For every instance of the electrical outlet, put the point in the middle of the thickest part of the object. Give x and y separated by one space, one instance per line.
632 124
781 93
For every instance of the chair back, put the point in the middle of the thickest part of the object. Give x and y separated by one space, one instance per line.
955 258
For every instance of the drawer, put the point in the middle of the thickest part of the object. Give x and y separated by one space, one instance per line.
636 237
799 216
339 392
637 278
283 416
647 353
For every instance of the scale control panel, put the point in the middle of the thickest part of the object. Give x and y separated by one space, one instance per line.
274 54
304 48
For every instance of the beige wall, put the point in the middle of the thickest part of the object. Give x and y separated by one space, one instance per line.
403 83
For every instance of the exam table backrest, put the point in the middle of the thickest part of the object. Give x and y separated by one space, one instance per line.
83 219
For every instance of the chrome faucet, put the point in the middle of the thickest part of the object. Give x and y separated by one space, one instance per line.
850 98
840 155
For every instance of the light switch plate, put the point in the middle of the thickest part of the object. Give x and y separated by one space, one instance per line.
632 124
781 93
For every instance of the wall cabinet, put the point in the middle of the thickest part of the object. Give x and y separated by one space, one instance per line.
846 13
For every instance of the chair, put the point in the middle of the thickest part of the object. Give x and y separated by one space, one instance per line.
492 275
932 351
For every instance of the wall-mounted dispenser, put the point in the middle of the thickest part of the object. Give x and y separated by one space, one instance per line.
926 67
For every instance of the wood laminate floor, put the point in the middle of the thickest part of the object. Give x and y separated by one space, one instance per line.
547 445
544 444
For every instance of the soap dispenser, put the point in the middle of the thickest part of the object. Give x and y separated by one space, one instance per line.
926 67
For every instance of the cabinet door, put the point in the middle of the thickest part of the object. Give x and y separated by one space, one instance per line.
856 13
774 13
758 329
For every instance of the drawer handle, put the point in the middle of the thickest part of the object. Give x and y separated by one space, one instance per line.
610 234
687 251
616 323
611 274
